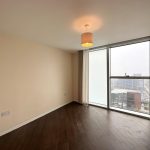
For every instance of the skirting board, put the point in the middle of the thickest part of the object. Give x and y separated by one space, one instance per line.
77 101
30 120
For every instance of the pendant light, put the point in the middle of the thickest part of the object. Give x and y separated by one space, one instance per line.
87 38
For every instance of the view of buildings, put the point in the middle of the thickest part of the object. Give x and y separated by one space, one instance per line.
131 94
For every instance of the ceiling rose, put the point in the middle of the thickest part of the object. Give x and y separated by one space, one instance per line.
94 23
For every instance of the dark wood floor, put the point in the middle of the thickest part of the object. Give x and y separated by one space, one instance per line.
76 127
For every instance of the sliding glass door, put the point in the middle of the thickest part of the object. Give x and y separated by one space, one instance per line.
130 78
98 77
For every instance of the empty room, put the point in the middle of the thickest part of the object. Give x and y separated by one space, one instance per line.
74 74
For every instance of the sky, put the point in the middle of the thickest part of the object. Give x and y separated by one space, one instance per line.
131 59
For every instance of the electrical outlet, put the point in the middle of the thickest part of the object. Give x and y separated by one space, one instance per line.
5 113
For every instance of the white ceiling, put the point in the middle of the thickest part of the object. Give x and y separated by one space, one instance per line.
50 21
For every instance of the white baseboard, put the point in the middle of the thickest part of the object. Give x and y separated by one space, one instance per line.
77 101
32 119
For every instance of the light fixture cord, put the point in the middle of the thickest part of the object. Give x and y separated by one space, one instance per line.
86 27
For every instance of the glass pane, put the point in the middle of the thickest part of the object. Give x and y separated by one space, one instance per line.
131 94
98 77
131 60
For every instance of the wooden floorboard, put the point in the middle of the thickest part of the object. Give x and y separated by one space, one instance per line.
77 127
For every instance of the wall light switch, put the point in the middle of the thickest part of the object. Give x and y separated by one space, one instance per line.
5 113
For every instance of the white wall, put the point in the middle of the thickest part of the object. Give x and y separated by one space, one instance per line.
34 79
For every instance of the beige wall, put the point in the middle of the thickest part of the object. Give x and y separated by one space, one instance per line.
33 80
75 76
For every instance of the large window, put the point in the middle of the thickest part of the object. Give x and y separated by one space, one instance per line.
127 68
130 72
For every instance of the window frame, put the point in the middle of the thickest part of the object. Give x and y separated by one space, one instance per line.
109 77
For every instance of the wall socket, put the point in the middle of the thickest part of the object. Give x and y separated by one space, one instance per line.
5 113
